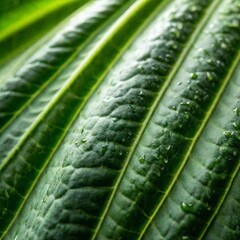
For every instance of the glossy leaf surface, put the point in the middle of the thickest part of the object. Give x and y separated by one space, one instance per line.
122 122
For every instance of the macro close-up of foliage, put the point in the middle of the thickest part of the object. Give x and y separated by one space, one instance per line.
119 119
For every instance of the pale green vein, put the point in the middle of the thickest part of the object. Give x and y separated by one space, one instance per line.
196 137
114 31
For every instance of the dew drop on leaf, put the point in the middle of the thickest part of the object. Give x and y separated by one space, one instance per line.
186 207
234 153
142 159
104 148
186 115
212 26
223 45
234 23
165 160
140 69
180 125
209 76
209 61
236 111
227 134
209 207
168 147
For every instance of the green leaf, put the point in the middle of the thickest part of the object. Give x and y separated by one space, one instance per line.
122 122
24 22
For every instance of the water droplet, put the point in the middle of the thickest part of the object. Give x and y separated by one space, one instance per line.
186 115
209 76
140 68
84 140
179 26
236 111
179 83
234 153
193 8
227 134
175 46
194 76
223 45
165 160
130 133
234 124
186 207
168 147
234 23
209 207
141 93
211 62
76 142
196 97
104 148
174 107
211 26
176 32
153 68
180 125
142 159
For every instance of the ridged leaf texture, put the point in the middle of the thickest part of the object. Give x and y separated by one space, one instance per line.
120 119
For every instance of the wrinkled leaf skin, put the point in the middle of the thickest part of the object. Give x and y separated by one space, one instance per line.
54 126
123 122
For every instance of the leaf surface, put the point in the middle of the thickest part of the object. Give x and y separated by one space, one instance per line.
123 123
